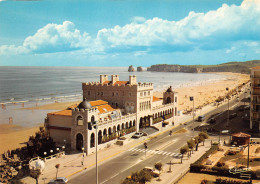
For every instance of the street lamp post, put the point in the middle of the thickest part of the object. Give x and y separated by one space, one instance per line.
244 100
82 162
94 123
228 107
192 99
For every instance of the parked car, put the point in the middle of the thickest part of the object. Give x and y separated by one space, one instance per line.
153 172
59 180
138 135
233 115
201 118
247 107
212 120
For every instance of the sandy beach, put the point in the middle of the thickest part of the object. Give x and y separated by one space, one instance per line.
207 93
14 136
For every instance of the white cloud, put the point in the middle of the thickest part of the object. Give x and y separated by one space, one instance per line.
209 30
138 19
57 38
216 29
50 39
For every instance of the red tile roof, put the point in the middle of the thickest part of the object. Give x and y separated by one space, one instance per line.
102 106
256 67
156 98
97 103
240 134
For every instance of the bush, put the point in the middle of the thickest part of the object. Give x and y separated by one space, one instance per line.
220 164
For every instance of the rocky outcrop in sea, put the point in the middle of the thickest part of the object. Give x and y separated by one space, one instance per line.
131 68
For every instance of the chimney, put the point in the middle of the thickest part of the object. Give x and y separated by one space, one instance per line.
103 78
132 80
114 78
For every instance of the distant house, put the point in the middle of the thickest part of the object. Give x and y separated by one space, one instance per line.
118 107
240 138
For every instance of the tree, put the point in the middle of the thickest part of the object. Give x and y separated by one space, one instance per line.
36 174
204 135
57 167
144 176
196 141
183 150
128 181
158 166
191 144
201 139
134 176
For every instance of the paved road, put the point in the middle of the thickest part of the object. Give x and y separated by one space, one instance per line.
163 148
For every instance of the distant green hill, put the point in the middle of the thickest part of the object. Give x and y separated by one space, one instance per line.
235 67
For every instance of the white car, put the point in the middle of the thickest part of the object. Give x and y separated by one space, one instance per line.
59 180
137 135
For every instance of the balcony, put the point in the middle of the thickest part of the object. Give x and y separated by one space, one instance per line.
256 92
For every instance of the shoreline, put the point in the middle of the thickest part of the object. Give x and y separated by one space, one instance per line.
13 136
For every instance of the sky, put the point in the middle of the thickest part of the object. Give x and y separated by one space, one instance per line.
125 32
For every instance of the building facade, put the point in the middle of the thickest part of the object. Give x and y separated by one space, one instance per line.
255 99
118 108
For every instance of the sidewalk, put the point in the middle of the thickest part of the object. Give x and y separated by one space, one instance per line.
72 164
178 169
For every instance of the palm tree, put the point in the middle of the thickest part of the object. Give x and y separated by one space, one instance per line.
57 167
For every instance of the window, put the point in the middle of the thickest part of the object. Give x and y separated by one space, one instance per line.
102 93
79 120
88 92
116 93
148 93
144 93
175 99
97 93
113 94
92 118
141 94
130 94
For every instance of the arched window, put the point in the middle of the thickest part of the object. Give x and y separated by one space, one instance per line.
105 132
130 124
79 120
109 131
134 123
79 141
168 100
92 118
99 137
92 140
118 127
126 125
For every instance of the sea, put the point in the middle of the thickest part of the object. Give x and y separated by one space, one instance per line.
34 86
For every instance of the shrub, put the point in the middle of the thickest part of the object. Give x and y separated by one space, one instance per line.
220 164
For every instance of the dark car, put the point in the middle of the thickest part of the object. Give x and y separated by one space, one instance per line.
212 120
233 115
201 118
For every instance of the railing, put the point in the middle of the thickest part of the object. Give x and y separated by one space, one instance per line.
128 117
162 106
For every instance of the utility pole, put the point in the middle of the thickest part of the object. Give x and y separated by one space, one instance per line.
228 107
192 99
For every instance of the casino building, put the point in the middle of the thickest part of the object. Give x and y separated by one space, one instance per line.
118 107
